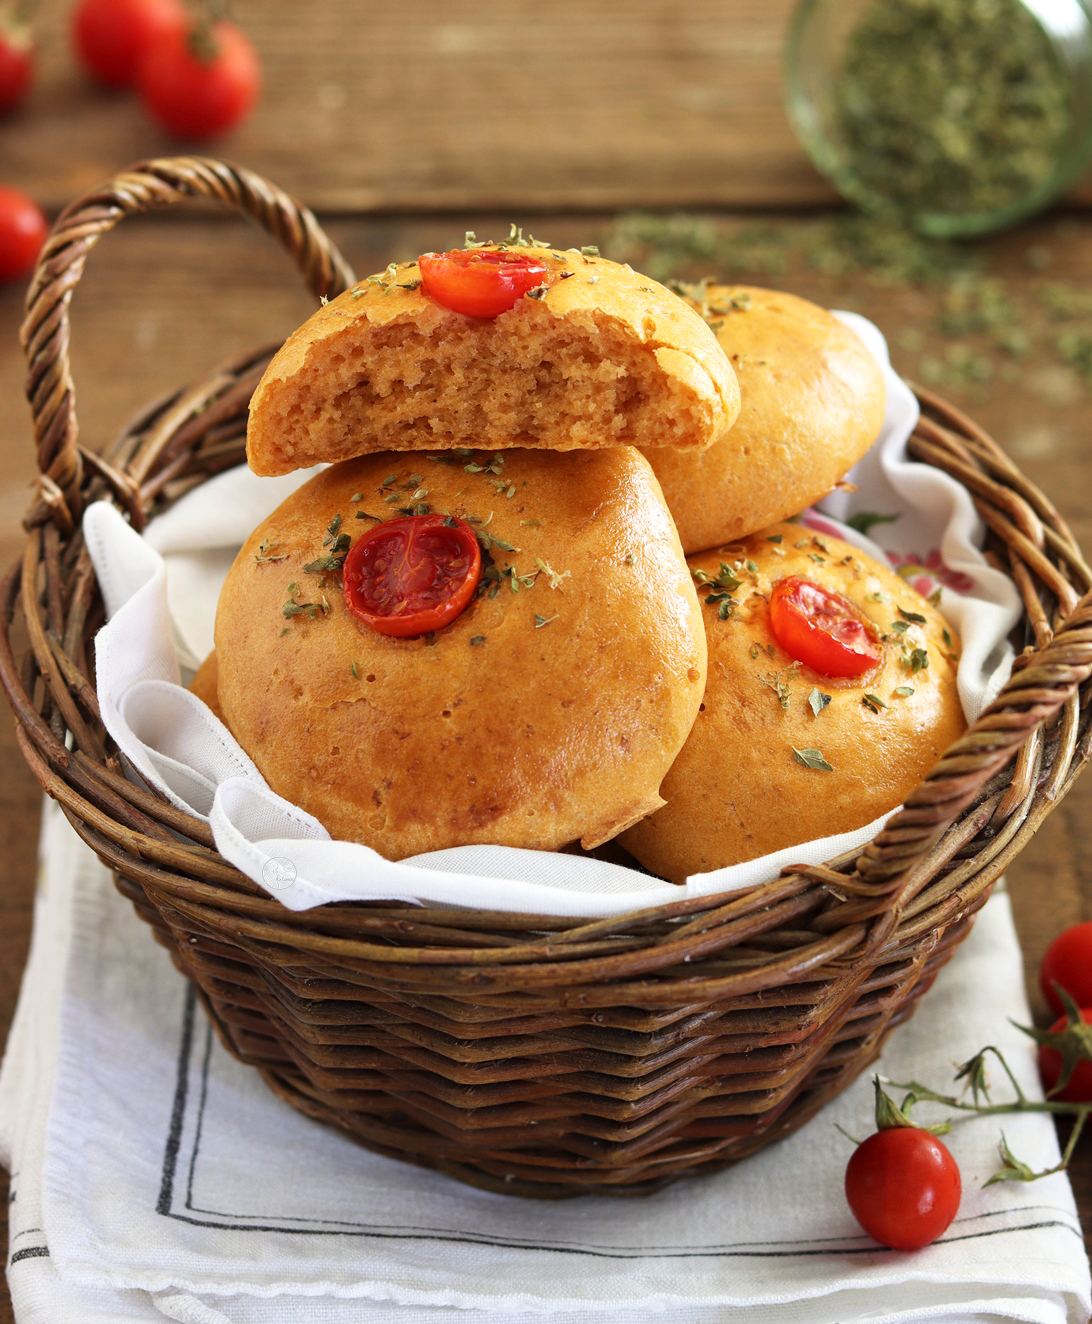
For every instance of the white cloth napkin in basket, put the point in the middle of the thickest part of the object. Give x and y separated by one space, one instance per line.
154 1176
161 591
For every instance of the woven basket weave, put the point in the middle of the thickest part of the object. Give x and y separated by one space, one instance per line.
536 1055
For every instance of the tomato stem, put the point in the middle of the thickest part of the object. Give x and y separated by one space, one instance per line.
16 14
1011 1169
855 1140
202 39
973 1072
888 1112
210 11
203 45
1073 1042
1074 1136
918 1093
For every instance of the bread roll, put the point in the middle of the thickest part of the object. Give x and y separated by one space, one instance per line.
205 683
739 789
812 403
605 356
548 710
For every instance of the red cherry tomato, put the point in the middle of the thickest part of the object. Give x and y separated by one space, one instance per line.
822 630
23 229
112 37
1068 961
903 1187
1078 1088
412 575
480 282
198 83
16 62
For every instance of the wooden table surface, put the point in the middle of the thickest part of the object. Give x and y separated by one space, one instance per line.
405 127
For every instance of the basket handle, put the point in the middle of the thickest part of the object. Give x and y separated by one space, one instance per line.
1041 684
45 330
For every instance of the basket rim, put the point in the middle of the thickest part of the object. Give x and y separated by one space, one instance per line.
1037 684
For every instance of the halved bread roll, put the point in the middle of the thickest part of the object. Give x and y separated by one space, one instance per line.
597 356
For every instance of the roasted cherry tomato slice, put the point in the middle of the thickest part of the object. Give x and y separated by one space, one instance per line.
480 282
822 630
412 575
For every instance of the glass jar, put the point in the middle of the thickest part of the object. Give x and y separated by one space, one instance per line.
959 117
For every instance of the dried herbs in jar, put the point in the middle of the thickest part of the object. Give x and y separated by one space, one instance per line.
957 115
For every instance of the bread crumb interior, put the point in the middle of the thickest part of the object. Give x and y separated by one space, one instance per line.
535 381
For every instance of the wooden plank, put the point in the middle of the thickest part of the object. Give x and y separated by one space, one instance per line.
443 103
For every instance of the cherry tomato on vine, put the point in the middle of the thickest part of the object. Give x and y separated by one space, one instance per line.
412 575
16 58
1068 961
903 1187
200 81
480 282
23 229
112 37
1078 1088
821 629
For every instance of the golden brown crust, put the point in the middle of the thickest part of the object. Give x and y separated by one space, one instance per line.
204 684
605 357
813 402
737 791
537 716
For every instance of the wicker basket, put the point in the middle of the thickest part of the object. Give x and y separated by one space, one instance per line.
536 1055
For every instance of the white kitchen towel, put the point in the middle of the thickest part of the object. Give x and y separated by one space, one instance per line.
155 1176
161 591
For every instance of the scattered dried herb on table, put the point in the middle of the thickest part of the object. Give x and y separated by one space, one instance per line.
973 327
953 106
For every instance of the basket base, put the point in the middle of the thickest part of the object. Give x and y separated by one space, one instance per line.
735 1139
595 1181
611 1103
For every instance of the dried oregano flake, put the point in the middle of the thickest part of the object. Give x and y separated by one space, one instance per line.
263 555
811 758
817 701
